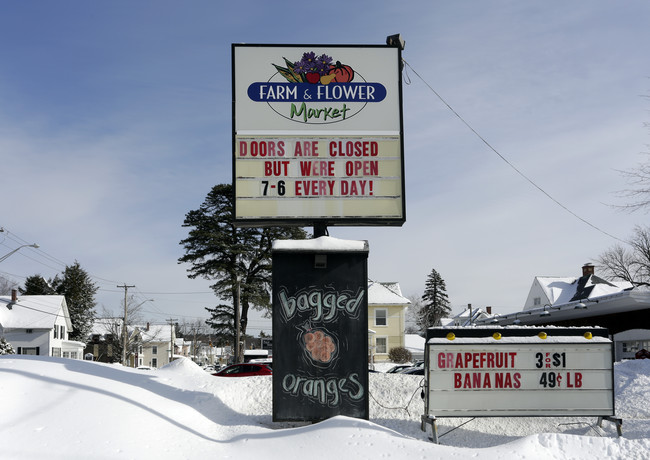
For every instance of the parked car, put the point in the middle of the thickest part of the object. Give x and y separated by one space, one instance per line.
414 371
244 370
398 368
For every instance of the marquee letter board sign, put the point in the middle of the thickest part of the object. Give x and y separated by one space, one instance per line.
320 334
519 372
317 135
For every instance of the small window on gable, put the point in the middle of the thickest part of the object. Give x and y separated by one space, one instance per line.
537 301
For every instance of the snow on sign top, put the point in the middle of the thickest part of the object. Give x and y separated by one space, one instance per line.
321 244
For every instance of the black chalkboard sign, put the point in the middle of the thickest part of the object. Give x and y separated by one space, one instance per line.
320 335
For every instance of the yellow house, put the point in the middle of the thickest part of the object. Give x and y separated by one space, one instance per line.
386 316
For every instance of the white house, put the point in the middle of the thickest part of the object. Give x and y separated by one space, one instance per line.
38 325
584 301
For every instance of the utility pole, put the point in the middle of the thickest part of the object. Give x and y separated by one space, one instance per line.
124 331
171 337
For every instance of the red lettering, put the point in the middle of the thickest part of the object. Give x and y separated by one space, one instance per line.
262 148
459 360
363 168
457 380
276 168
354 149
487 383
317 168
306 149
517 380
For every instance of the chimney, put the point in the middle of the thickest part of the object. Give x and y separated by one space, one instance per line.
147 326
14 296
588 269
488 310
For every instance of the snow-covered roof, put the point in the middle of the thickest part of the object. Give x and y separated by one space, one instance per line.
561 290
387 293
33 311
156 332
414 342
323 243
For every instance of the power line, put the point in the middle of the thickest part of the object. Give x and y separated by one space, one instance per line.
529 180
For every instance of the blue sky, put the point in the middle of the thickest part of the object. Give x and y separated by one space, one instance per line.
115 120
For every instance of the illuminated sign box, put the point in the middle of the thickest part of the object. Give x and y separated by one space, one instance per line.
317 135
556 373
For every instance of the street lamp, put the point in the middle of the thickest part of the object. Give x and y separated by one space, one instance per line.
18 248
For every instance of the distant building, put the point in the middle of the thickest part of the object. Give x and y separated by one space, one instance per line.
386 319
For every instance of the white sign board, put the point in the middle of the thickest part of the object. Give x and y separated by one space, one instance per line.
515 376
317 135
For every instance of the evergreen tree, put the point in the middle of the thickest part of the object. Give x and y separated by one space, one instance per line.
217 250
5 347
435 304
79 291
222 320
36 285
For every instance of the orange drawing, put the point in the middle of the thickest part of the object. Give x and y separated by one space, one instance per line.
320 345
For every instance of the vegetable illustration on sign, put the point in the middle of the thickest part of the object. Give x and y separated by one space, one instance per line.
315 69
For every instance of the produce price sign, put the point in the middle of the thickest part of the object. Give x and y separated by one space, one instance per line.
516 376
317 135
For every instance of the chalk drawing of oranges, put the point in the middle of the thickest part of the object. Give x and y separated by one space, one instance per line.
320 346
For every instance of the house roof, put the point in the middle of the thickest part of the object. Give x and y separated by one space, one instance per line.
386 293
561 290
156 332
33 312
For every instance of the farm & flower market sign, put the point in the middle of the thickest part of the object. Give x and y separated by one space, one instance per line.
317 135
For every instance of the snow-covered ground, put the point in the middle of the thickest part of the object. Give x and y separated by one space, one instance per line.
68 409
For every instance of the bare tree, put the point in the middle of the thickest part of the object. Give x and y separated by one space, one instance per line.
638 179
638 195
629 264
7 285
412 312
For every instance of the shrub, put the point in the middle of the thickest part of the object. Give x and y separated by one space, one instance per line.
5 347
400 355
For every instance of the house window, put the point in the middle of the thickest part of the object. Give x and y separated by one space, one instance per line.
537 301
29 331
56 352
56 332
154 362
154 350
381 317
66 354
381 344
62 334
